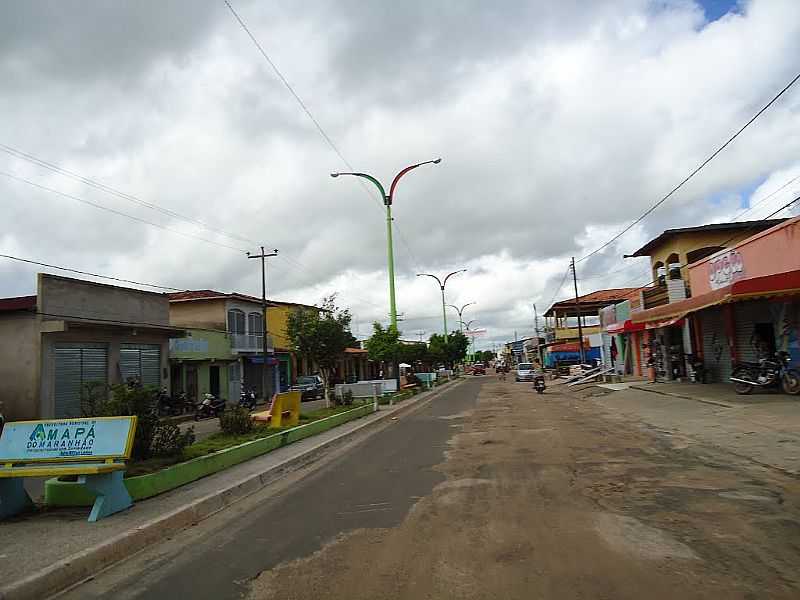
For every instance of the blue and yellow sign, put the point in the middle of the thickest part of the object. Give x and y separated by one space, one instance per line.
67 439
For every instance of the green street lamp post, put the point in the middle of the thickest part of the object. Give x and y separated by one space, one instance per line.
460 316
467 324
441 287
387 202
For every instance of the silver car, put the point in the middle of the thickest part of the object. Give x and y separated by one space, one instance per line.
525 372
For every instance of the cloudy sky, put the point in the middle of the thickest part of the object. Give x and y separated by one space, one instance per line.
558 123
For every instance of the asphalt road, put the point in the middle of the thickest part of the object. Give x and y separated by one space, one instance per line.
493 491
372 484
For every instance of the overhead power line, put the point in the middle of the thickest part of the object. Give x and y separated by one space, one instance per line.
79 272
17 153
765 198
560 286
117 212
736 218
119 194
694 172
327 138
730 239
286 83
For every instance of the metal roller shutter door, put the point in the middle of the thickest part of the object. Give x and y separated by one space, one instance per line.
75 366
716 352
746 315
142 361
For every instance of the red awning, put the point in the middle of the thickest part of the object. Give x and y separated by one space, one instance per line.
626 327
779 284
666 323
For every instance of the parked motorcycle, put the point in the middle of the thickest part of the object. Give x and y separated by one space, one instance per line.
247 399
538 383
184 404
168 406
768 372
698 368
210 406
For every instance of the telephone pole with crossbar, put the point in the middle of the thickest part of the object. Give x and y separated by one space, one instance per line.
263 256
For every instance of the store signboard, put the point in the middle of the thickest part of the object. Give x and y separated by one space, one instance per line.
725 269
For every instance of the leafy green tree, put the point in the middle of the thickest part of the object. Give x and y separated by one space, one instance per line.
484 356
321 336
414 354
384 343
448 350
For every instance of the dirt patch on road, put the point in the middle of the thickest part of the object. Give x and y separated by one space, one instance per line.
544 497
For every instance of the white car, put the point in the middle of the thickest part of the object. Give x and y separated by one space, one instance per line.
525 372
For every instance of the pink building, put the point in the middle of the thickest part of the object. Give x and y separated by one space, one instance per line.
744 299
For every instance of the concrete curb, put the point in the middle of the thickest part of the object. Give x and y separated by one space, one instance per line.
82 565
644 388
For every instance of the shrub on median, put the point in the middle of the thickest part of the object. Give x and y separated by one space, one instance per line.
235 421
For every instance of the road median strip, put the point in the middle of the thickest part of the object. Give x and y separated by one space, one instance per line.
79 566
71 493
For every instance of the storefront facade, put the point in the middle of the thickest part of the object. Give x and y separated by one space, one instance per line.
625 344
745 305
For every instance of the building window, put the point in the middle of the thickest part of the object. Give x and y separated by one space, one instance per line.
236 321
255 324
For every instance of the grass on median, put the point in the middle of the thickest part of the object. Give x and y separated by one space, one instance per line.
220 441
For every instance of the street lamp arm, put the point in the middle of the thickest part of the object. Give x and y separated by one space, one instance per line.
377 183
406 170
449 275
461 310
429 275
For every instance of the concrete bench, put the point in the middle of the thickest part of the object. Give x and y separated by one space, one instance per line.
95 449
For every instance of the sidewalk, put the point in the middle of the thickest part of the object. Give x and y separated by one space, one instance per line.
47 551
765 428
721 394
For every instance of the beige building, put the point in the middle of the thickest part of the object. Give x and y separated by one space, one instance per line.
73 332
674 250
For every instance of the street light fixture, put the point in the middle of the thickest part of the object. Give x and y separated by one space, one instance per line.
441 286
459 311
473 337
387 202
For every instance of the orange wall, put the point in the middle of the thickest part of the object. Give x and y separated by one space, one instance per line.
775 250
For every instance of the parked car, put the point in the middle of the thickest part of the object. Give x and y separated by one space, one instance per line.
525 372
310 387
478 369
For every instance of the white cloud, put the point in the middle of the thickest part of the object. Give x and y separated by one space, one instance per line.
558 125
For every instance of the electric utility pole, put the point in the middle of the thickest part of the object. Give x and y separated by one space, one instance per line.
538 339
263 256
578 312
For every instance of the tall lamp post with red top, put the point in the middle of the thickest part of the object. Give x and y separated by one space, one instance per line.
387 202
